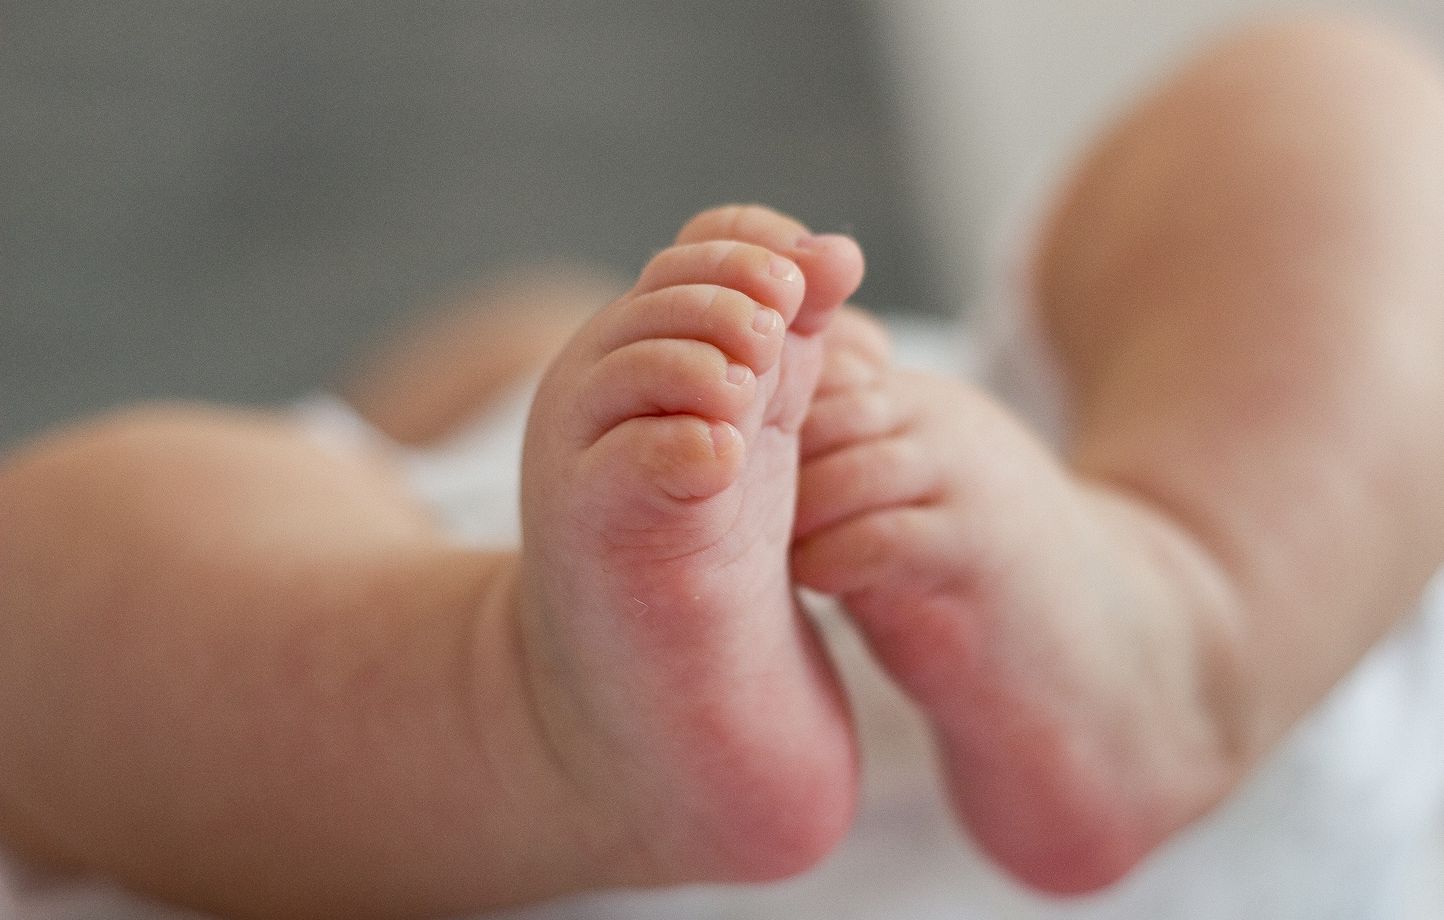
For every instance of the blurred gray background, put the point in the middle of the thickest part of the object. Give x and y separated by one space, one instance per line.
226 201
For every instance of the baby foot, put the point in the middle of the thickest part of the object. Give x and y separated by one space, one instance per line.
444 370
674 677
1022 609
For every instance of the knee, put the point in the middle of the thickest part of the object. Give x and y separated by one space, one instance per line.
1305 120
132 465
1324 66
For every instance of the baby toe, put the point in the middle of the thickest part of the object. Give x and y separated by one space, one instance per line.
750 223
768 278
836 420
747 331
652 463
862 478
872 552
832 263
660 377
858 332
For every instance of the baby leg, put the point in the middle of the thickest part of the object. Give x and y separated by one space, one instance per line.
440 371
1003 595
1242 283
243 674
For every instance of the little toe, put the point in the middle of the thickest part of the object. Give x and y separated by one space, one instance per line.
678 458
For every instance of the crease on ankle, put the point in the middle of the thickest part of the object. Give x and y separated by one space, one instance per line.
609 843
1193 562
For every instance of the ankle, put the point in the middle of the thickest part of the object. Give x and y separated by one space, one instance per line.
1203 736
1150 737
1193 610
548 802
695 804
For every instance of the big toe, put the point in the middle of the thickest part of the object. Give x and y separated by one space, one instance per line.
833 266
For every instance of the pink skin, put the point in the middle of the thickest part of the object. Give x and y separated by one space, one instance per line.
1003 595
668 659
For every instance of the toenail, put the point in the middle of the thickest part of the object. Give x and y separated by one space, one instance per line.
766 321
784 269
724 436
737 374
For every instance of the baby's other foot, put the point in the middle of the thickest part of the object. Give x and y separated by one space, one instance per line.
444 368
1023 610
674 677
